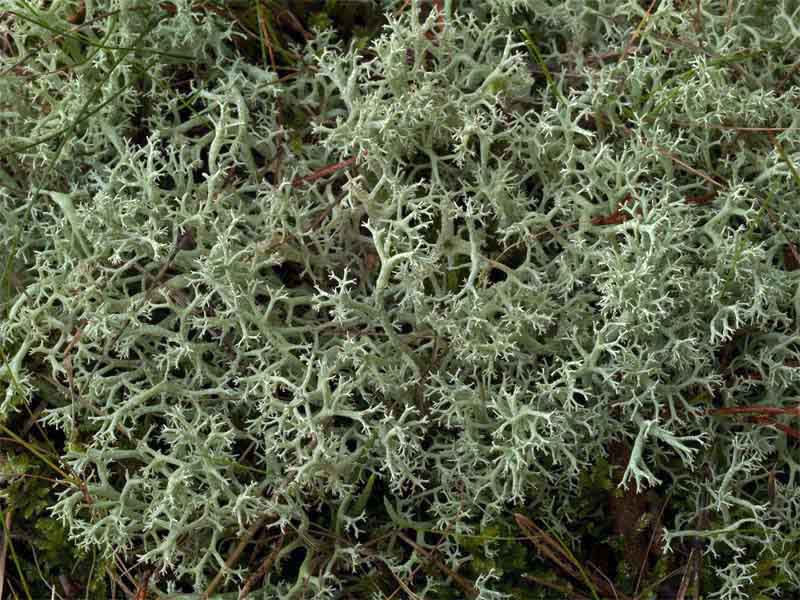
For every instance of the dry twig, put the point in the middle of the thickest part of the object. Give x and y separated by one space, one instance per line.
262 570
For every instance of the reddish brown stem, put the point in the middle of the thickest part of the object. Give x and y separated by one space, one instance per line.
702 199
790 431
756 410
323 172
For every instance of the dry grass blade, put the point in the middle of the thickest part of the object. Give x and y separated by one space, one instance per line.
561 556
687 577
9 544
543 544
403 585
605 578
568 593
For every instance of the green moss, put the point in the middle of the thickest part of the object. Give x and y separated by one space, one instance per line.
769 574
44 553
510 558
320 20
498 85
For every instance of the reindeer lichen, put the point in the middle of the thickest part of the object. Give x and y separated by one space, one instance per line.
410 285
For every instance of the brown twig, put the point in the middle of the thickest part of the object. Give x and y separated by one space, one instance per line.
234 556
650 545
115 579
755 410
262 26
618 216
689 168
414 572
462 582
702 198
543 543
687 577
70 588
126 572
323 172
290 19
184 241
403 585
790 431
68 361
698 17
762 415
316 223
141 588
76 27
79 15
262 569
400 10
605 578
703 523
634 36
439 4
722 184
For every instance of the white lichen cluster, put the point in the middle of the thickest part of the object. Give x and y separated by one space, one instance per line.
505 267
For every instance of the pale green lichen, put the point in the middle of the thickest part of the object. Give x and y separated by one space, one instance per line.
417 267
